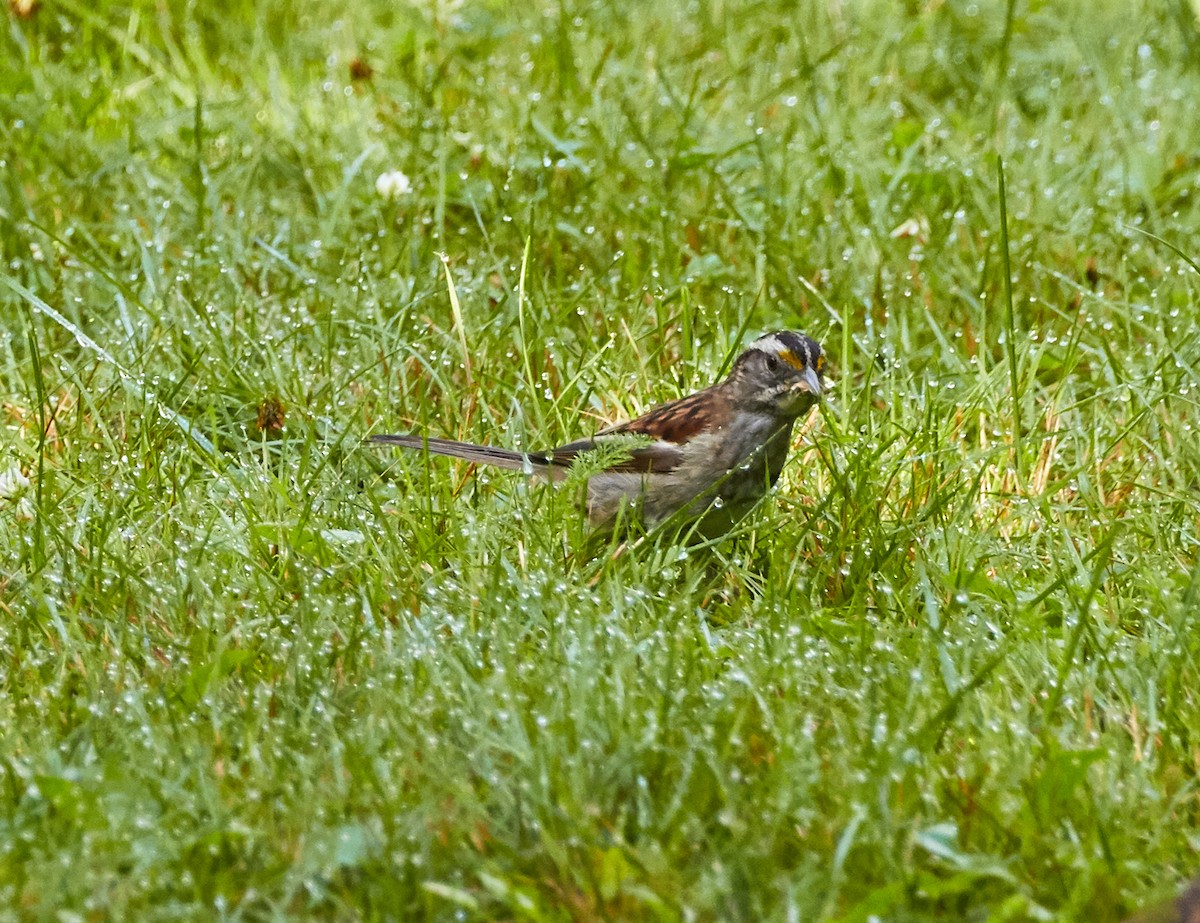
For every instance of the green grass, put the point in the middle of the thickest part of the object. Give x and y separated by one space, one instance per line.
949 670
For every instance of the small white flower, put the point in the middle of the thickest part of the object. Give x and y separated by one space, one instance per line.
12 482
24 511
393 184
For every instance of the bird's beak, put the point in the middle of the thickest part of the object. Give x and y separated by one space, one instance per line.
811 381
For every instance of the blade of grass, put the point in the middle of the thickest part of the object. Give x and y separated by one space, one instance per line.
1010 332
456 314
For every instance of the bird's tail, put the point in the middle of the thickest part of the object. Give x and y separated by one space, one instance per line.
530 462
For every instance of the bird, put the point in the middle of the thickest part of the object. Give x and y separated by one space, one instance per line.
703 460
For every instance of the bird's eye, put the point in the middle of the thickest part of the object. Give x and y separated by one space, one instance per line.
772 363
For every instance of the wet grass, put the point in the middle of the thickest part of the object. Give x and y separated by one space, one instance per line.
253 670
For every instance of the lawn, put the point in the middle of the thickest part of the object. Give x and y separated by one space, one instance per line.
252 668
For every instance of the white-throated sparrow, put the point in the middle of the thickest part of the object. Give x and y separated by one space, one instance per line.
710 456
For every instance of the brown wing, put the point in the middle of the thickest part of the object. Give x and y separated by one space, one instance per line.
677 421
670 425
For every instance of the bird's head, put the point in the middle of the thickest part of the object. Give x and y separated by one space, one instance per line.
781 373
